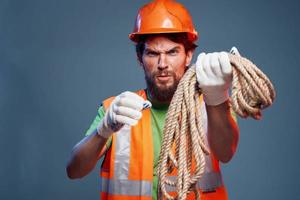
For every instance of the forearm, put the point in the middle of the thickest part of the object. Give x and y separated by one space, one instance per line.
85 155
223 131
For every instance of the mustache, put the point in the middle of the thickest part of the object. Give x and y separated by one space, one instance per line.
163 73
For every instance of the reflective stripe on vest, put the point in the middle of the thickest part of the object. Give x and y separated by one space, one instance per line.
209 182
122 153
126 187
129 163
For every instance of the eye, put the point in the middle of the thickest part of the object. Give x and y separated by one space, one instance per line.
173 52
151 53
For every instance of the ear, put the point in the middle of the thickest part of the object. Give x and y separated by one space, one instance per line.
189 56
140 61
139 58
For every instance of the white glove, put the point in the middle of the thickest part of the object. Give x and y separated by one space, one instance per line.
235 51
214 76
125 109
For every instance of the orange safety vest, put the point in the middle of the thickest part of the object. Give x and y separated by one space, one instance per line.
127 169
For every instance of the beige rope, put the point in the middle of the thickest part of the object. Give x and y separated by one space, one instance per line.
184 137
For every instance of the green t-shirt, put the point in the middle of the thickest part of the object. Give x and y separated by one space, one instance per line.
158 114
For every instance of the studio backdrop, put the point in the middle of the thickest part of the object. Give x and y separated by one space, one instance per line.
60 58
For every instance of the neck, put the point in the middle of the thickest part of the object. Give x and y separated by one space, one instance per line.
155 102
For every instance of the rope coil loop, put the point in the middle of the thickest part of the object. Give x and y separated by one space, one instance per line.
184 136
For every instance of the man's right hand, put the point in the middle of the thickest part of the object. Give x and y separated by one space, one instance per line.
125 109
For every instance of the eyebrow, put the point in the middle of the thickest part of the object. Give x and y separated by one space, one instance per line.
173 49
149 49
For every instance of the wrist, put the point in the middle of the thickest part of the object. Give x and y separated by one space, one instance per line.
216 98
103 130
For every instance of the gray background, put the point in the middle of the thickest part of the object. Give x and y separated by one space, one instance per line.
59 59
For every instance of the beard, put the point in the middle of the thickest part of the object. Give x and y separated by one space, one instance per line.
160 92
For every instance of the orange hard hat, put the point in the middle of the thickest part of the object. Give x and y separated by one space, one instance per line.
163 16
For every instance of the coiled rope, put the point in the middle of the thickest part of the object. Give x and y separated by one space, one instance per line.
183 135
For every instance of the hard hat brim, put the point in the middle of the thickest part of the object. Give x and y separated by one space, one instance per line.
135 36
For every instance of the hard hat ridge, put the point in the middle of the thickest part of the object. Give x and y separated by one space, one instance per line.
163 16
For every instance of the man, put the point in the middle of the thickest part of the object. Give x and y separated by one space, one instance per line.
129 136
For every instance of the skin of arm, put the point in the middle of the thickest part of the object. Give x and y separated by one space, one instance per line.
85 155
223 132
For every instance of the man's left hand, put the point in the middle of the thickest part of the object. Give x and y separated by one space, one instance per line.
214 76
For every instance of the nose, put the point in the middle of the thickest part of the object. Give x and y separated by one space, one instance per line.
162 62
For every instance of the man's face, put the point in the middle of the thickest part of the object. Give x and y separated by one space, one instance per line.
164 63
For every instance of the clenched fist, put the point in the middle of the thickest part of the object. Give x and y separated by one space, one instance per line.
125 109
214 76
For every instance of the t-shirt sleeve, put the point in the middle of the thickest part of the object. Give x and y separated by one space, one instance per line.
93 126
233 114
98 118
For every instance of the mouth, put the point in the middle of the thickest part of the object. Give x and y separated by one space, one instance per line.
163 78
